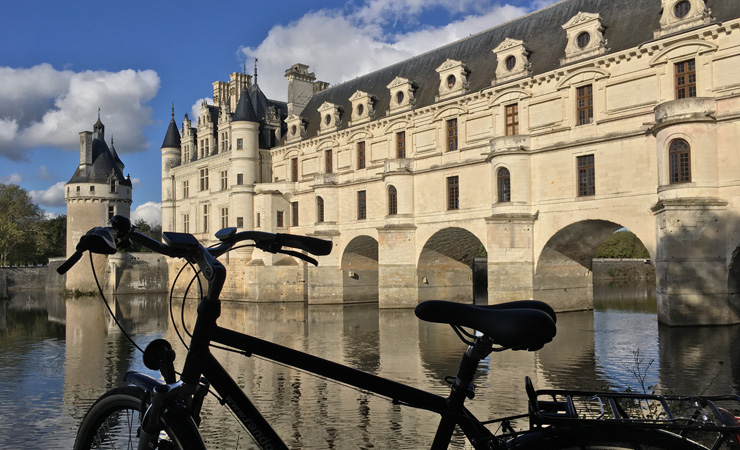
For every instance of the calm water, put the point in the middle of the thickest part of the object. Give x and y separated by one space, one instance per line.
56 357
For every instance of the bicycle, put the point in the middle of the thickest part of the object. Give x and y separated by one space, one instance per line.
151 413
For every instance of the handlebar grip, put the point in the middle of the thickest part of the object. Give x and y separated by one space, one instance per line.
61 270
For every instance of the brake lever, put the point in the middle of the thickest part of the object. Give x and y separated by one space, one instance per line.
299 256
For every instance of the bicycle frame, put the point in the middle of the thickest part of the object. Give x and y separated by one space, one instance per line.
200 361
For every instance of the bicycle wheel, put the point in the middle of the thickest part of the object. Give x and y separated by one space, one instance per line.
113 423
600 438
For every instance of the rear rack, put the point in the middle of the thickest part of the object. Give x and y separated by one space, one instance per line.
712 417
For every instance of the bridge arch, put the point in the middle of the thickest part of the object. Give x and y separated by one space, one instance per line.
445 265
360 270
563 271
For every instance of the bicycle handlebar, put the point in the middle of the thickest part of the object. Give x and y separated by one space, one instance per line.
103 240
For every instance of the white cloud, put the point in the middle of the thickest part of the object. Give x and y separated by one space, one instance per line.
42 106
135 180
150 212
195 109
367 43
13 178
43 173
54 196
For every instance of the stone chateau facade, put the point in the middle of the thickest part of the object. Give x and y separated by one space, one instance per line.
533 140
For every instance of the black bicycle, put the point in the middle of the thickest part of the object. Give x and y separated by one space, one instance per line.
155 414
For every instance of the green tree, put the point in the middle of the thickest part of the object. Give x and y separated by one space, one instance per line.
622 244
19 219
153 231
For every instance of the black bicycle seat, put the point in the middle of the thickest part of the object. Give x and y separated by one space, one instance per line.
526 325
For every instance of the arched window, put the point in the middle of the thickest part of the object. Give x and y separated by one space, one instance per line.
679 165
392 201
504 185
319 210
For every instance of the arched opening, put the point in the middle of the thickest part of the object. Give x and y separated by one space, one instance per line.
360 270
445 269
568 270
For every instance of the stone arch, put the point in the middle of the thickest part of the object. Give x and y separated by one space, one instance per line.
563 275
445 267
360 270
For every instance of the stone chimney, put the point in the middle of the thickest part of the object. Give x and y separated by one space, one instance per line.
300 87
86 148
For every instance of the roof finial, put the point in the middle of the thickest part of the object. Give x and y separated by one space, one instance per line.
98 113
173 110
255 70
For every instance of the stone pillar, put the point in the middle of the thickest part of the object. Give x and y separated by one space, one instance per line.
691 262
397 276
324 283
510 257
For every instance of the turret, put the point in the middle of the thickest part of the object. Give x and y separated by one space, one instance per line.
244 156
170 158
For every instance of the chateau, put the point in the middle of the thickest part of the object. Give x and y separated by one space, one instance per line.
533 140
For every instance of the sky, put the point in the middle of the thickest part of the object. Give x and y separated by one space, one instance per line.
62 61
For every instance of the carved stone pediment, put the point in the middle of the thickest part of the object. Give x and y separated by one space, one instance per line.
453 79
513 60
585 33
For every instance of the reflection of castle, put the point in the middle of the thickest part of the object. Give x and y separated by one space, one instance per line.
535 139
96 192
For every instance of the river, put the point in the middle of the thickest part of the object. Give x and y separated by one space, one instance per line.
57 356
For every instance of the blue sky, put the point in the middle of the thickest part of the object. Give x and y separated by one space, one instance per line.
61 61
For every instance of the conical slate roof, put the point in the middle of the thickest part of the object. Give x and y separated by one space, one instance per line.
244 109
117 160
103 166
172 139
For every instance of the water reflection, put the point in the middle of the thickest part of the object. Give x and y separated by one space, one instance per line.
58 356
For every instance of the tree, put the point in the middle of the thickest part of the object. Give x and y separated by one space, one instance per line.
153 231
622 244
19 218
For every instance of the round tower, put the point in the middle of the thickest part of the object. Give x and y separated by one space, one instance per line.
96 192
170 158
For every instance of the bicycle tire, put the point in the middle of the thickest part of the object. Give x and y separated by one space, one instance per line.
601 438
113 422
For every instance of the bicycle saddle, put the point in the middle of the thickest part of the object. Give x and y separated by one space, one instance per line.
522 325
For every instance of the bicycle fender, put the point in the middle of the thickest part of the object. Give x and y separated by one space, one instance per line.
143 381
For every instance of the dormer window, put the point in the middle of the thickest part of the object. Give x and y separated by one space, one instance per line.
402 94
453 76
513 61
331 116
296 128
681 9
585 34
681 15
362 107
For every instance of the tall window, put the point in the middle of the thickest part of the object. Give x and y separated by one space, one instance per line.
239 179
451 135
202 146
112 185
185 153
586 176
685 79
512 119
240 144
453 193
392 201
401 144
203 179
294 169
208 147
185 189
361 155
224 180
327 161
280 219
585 104
111 212
224 217
240 222
258 221
186 223
679 157
504 185
205 218
319 210
294 214
361 205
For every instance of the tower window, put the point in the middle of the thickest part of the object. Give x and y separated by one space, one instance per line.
679 157
240 144
319 210
113 186
111 212
586 176
294 214
392 201
451 135
280 219
361 205
504 185
453 193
